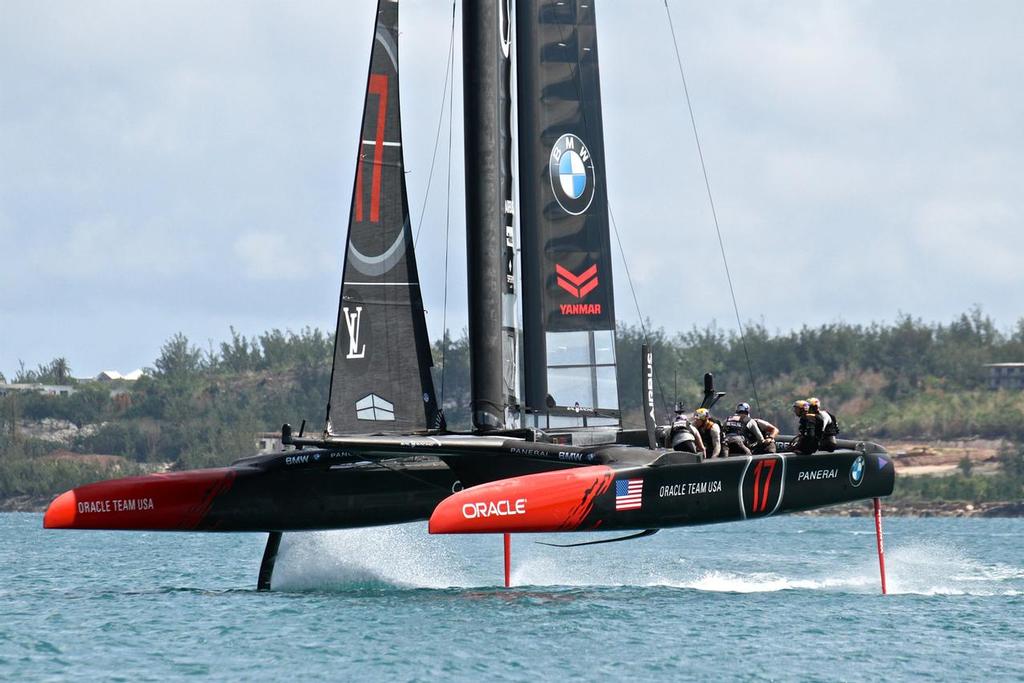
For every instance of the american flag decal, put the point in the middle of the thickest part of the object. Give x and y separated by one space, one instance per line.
628 494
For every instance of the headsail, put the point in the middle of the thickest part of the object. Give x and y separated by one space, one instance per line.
568 304
381 376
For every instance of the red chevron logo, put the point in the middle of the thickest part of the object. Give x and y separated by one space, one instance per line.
577 285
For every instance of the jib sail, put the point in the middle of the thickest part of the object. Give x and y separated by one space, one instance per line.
568 304
381 376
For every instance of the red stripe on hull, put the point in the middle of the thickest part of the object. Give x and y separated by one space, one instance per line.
174 501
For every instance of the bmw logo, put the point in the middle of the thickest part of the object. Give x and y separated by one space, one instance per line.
857 471
572 174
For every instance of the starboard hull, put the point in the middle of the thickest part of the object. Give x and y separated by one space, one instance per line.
600 498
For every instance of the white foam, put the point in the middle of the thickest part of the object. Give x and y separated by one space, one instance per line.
940 568
406 556
403 556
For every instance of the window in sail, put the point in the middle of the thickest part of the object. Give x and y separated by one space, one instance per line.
373 407
571 348
581 370
604 348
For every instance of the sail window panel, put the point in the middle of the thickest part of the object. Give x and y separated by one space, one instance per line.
607 388
571 386
557 13
604 347
565 421
568 348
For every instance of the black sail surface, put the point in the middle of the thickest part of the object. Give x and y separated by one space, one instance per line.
568 304
381 379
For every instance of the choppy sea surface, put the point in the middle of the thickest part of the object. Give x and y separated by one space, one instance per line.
792 598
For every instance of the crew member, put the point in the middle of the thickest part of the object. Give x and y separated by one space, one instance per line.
806 440
710 433
682 435
742 434
825 424
768 431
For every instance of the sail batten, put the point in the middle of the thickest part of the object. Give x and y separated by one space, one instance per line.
380 380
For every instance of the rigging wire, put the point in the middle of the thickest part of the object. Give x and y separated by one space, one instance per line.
449 65
636 302
447 219
714 213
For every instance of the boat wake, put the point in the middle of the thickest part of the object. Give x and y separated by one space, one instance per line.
404 557
917 569
398 556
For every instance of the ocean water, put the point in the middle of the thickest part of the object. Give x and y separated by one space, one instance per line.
790 598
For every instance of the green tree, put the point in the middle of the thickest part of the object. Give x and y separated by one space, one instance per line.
24 376
56 371
179 359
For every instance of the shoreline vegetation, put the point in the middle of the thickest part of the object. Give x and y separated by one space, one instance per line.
918 388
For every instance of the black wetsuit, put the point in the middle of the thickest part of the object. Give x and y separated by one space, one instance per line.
768 445
681 436
806 441
828 428
741 434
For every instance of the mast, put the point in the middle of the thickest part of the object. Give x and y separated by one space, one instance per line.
490 235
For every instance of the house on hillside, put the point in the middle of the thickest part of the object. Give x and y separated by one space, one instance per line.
1006 375
37 388
114 375
270 442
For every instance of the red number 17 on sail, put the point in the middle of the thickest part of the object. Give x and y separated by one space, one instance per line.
378 86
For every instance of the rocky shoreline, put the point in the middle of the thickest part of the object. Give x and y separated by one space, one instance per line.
25 503
901 508
890 508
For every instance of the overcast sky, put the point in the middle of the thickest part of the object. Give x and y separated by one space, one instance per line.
187 166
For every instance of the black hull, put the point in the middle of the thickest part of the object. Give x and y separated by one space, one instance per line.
377 480
335 498
659 496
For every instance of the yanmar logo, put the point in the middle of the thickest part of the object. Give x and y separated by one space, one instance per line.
578 286
494 508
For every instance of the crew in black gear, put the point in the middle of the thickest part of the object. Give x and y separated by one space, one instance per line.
768 431
825 425
742 434
710 433
682 435
807 437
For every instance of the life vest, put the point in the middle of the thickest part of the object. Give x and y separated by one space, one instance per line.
736 425
831 424
808 425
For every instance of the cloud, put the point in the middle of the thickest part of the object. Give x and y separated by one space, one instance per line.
265 256
160 158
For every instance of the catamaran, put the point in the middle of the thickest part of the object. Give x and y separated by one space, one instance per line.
547 451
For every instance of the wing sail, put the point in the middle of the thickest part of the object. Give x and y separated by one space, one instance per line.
568 303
